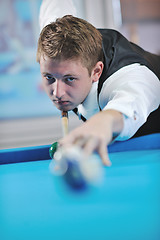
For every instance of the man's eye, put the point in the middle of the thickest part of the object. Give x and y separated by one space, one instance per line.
69 79
50 78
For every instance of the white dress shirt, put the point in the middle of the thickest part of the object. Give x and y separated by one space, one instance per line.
134 90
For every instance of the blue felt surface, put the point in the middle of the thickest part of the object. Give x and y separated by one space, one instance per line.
36 205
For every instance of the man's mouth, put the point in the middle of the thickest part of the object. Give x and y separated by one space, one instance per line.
62 103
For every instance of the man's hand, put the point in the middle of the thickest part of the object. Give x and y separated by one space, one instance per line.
96 134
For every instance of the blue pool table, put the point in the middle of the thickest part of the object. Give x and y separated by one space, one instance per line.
34 204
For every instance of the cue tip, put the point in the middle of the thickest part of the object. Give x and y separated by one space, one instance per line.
64 114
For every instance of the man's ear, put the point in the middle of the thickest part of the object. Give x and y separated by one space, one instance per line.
97 71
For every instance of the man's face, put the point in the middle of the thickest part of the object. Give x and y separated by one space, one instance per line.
67 83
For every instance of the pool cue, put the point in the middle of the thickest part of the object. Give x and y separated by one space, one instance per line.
72 167
64 116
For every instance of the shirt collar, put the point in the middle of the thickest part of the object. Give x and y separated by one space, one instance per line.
90 105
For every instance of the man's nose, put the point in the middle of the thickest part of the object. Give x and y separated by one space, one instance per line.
59 89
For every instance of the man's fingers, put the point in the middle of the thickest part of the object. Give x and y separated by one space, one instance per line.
93 144
103 153
89 145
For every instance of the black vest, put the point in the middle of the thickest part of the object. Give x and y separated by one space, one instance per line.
119 52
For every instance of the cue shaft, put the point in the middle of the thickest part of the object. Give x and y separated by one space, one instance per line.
64 116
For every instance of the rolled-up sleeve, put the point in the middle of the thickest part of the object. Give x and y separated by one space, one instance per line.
135 92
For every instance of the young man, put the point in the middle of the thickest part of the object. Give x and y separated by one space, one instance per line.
105 79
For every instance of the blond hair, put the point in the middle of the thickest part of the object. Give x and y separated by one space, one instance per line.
71 38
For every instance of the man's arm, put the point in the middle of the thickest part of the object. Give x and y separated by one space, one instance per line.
96 133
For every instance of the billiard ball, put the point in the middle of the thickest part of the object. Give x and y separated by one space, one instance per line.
77 169
53 149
